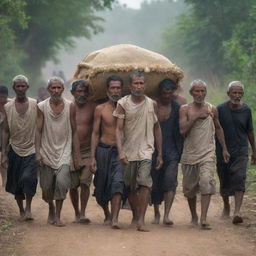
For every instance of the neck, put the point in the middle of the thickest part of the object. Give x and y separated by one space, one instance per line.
112 103
235 106
21 100
137 99
165 102
198 105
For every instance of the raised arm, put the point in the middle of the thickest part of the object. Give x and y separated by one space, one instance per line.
75 140
95 137
120 114
185 122
38 136
220 135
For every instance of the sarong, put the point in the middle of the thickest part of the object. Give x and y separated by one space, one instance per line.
109 176
21 174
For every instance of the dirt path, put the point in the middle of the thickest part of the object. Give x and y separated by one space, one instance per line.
95 239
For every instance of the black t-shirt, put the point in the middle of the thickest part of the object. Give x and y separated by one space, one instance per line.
236 124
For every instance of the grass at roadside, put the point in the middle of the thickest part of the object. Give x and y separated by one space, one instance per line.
251 180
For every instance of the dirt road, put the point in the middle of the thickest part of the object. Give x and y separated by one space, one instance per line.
40 239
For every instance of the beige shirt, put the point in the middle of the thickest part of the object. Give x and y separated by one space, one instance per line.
22 127
139 118
56 142
199 144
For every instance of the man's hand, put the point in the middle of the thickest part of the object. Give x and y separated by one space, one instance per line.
159 162
93 165
226 155
123 158
39 159
77 162
253 158
4 161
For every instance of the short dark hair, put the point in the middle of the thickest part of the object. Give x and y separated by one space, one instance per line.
167 84
114 78
77 83
3 89
135 74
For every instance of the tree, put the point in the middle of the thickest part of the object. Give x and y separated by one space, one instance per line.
36 29
200 33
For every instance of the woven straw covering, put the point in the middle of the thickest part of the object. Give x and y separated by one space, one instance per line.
122 60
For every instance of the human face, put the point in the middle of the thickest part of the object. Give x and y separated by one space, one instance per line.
20 88
235 94
114 91
3 98
55 89
166 95
81 94
198 93
137 86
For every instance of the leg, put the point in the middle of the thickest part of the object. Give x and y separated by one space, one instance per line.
168 200
226 208
51 215
3 175
143 197
132 197
192 207
58 222
238 202
75 202
28 214
84 197
205 202
19 200
107 220
157 214
115 207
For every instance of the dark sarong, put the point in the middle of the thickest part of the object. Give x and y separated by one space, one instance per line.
164 180
232 175
21 174
109 176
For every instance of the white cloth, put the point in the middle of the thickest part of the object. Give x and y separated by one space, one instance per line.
139 123
22 127
199 144
56 141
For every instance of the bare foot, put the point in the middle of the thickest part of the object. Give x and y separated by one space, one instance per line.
156 220
84 220
226 213
59 223
142 228
28 216
115 225
194 221
167 222
237 219
107 222
205 225
77 219
22 216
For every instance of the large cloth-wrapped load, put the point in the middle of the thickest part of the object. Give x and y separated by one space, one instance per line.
122 60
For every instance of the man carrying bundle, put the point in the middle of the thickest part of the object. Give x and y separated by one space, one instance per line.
137 128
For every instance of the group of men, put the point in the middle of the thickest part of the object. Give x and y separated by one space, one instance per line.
132 145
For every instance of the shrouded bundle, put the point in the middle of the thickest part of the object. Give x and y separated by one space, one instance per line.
122 60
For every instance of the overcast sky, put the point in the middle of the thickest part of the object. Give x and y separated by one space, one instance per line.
132 3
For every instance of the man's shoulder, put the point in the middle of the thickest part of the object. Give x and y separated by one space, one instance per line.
9 103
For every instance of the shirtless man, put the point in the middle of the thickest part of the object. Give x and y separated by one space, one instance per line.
3 101
84 123
108 181
19 132
199 122
137 130
165 179
56 142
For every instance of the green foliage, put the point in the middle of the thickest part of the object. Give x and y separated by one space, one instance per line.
32 31
198 37
251 180
11 14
